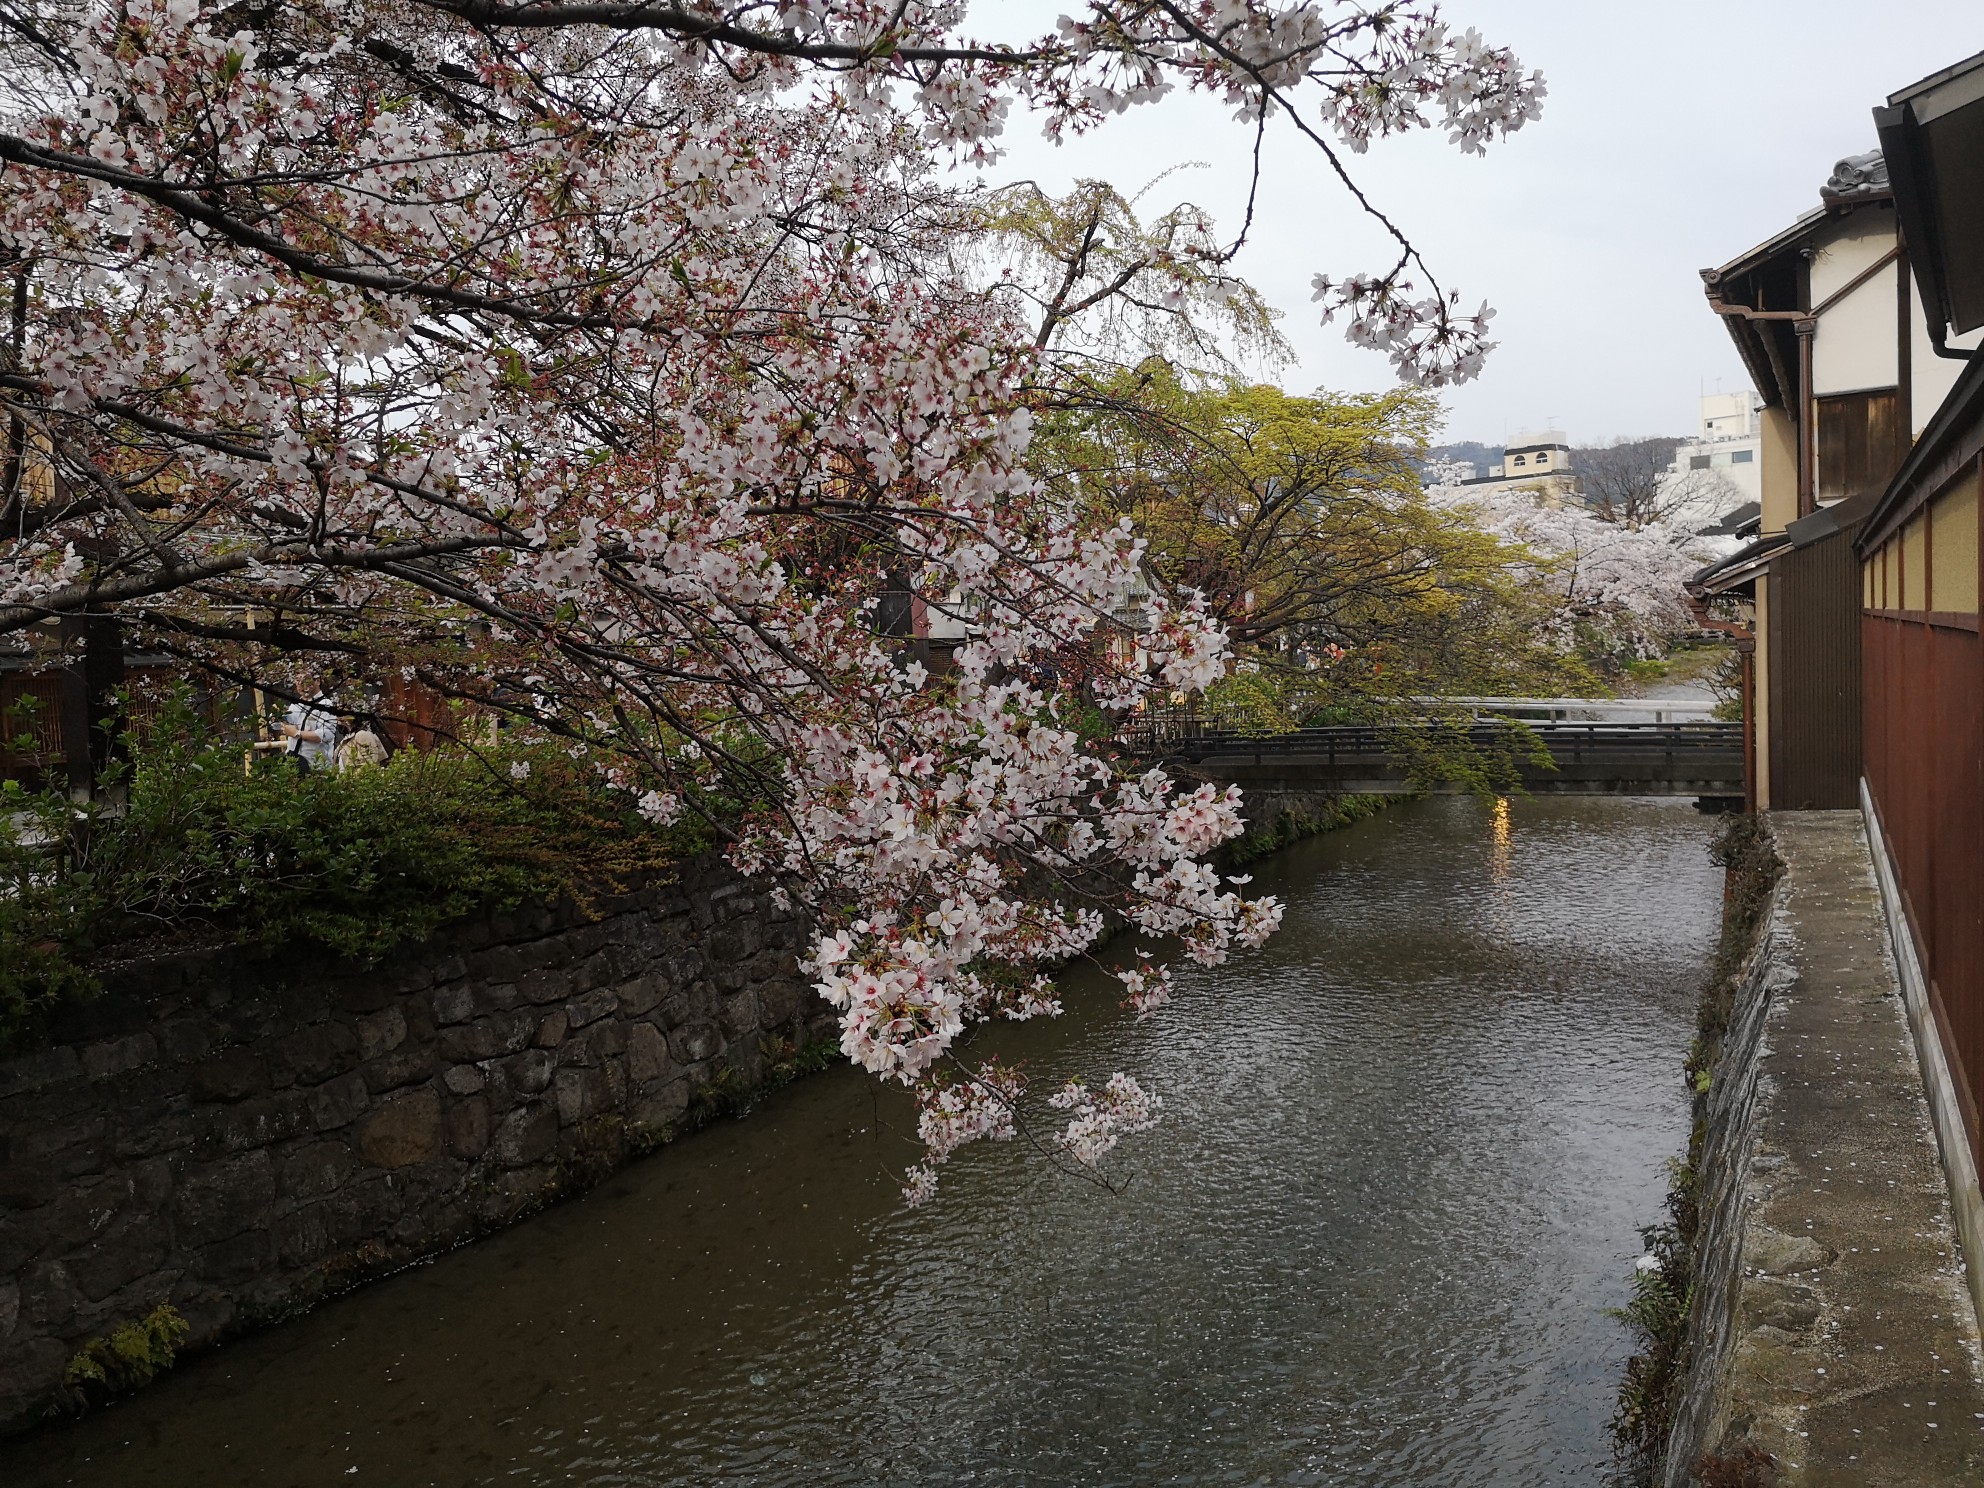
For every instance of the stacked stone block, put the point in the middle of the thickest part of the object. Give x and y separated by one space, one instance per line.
239 1135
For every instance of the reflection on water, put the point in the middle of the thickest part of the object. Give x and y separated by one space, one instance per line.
1404 1154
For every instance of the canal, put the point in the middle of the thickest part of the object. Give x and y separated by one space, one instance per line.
1373 1242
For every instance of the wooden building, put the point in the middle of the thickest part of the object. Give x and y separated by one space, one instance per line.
1844 362
1923 666
60 705
58 699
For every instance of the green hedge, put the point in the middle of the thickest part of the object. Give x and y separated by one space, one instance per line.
207 847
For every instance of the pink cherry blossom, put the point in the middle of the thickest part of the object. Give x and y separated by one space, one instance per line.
635 381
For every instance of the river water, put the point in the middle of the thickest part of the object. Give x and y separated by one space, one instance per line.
1404 1155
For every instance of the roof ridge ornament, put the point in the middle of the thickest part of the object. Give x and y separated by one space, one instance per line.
1856 177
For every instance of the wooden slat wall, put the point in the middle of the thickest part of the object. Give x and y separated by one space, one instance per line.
32 740
1861 443
415 714
1815 677
1924 733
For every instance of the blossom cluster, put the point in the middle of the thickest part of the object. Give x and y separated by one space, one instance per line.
1429 340
1373 70
1097 1121
981 1106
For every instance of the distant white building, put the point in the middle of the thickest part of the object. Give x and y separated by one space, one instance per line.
1729 445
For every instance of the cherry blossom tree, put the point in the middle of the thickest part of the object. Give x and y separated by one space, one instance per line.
1627 581
1635 481
615 365
1621 481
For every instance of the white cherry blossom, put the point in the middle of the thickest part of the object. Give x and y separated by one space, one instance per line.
619 377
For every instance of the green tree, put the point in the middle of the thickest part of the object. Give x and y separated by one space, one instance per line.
1095 280
1302 522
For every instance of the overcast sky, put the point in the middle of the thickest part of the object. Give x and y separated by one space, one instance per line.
1677 133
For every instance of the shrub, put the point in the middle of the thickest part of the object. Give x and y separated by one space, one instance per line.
1663 1288
210 845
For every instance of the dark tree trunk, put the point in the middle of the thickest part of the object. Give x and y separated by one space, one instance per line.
91 724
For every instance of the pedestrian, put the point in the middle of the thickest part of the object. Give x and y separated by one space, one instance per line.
310 734
362 747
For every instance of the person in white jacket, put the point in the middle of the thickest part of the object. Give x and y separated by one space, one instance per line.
310 734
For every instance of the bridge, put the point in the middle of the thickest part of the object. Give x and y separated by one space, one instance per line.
1609 758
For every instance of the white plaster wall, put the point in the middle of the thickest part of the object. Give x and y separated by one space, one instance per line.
1745 481
1930 377
1748 479
1852 244
1855 345
1726 415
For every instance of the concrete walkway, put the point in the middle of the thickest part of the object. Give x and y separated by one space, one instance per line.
1855 1355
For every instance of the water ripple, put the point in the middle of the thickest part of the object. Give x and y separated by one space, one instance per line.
1372 1243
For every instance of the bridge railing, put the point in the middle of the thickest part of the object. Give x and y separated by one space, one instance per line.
1186 738
1581 710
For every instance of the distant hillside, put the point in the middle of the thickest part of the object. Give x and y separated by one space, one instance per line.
1656 450
1479 455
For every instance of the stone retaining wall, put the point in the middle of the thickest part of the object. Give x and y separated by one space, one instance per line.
239 1137
1277 816
1729 1130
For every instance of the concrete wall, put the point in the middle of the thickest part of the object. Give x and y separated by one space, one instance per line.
239 1137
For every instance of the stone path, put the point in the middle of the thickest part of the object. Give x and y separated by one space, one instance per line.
1856 1355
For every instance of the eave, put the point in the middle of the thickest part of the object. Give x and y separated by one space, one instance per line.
1740 569
1932 133
1763 332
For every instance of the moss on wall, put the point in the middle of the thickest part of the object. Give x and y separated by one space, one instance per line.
1275 819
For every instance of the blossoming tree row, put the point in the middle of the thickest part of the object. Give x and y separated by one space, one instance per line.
642 341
